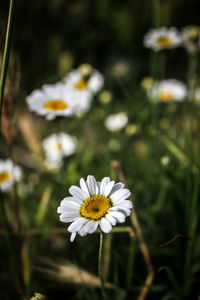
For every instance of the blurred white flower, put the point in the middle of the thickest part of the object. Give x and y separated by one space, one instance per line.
53 165
116 122
95 204
56 146
54 100
121 68
169 90
84 81
8 174
191 38
162 38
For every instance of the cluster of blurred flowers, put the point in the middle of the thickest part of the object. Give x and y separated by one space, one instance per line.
71 96
169 90
168 38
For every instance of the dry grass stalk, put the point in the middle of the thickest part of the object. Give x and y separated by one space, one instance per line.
116 165
64 271
42 209
29 133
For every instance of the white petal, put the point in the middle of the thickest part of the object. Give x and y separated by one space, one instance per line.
63 208
77 192
108 188
65 219
124 210
105 225
119 216
120 195
74 199
68 206
90 227
103 184
111 219
124 203
77 224
73 235
83 230
93 226
68 216
84 186
92 185
117 186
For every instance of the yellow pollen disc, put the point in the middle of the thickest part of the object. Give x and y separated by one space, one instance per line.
164 41
4 176
58 147
166 96
55 104
95 207
81 84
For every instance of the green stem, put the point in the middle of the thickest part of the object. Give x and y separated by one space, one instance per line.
6 54
156 13
100 265
192 183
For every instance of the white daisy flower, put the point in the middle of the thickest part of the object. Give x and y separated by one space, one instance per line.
54 100
191 38
169 90
53 165
95 204
56 146
8 174
116 122
84 81
162 38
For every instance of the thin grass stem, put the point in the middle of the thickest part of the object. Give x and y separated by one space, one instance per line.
6 54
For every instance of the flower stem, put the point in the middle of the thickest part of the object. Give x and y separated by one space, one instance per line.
6 54
100 265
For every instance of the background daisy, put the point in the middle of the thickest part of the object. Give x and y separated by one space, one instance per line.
116 122
169 90
8 174
162 38
55 100
84 81
56 146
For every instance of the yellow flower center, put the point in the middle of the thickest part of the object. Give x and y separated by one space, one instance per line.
4 176
95 207
55 104
82 84
58 147
164 41
166 96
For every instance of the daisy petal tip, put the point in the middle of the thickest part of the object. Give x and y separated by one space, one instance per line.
72 237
